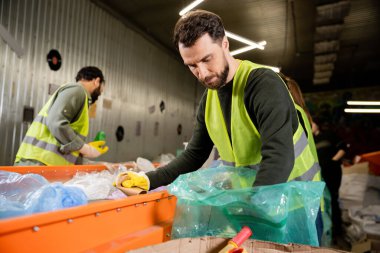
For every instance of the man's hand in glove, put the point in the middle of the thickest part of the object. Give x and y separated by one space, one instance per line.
99 146
93 149
132 179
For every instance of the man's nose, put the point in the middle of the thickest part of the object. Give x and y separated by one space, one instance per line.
202 72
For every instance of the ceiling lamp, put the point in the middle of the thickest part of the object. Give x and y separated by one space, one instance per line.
351 110
250 44
363 110
190 7
363 102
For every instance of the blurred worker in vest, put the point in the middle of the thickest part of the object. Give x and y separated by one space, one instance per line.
57 135
331 150
246 112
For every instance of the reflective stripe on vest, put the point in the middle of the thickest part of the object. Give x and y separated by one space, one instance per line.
244 148
307 125
50 147
39 144
300 145
310 174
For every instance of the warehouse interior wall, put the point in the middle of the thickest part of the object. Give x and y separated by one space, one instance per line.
139 76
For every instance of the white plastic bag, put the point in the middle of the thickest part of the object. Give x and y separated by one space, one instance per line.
144 164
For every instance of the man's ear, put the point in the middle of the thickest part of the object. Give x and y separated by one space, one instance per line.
97 82
225 43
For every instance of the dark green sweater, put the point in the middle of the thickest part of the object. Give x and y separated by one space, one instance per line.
270 108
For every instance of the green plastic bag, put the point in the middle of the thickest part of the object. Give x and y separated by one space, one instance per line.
220 201
326 239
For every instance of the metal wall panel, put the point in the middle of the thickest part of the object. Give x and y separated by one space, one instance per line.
138 77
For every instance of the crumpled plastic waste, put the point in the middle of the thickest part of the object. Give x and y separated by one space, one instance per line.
32 193
144 164
219 201
16 187
164 159
97 185
55 196
141 164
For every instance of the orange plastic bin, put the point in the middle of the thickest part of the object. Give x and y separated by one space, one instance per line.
102 226
373 160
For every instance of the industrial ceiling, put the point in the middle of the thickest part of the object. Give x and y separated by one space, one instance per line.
322 44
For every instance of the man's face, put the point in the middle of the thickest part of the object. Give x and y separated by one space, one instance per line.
206 60
98 91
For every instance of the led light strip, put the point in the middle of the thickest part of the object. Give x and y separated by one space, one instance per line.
250 43
243 49
190 7
356 110
363 102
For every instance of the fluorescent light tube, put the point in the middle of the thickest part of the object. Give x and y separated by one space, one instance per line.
251 44
259 45
242 50
190 7
352 110
363 102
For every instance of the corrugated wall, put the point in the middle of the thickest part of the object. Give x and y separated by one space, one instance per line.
138 76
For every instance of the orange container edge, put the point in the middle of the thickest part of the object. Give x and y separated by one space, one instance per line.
106 226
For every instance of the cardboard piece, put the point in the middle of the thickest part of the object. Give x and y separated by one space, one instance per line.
361 247
358 187
358 168
131 191
214 245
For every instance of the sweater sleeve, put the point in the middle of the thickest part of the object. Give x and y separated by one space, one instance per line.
196 153
269 103
65 109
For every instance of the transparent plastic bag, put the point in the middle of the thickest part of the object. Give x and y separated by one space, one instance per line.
96 185
144 164
32 193
164 159
17 187
220 201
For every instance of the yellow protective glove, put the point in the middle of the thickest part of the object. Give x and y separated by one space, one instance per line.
89 152
132 179
99 146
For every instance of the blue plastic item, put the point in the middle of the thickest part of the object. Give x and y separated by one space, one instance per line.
55 196
32 193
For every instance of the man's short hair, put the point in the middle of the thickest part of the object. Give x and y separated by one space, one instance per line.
194 24
89 73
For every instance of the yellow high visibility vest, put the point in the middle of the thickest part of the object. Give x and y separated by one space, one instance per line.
244 148
39 144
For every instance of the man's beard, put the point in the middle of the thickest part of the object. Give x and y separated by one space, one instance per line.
222 78
95 94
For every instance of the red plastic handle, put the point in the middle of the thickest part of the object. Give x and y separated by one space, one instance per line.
243 235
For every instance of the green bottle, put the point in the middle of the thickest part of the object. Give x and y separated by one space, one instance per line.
100 136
